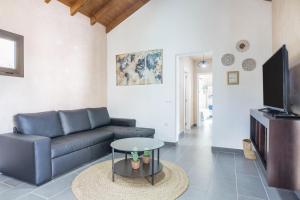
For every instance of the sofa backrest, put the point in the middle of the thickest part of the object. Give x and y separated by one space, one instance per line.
74 120
98 117
44 124
53 124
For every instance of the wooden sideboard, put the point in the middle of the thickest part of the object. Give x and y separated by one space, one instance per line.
277 142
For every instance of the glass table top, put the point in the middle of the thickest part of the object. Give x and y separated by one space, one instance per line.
137 144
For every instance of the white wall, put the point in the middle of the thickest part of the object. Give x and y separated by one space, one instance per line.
286 30
185 26
65 60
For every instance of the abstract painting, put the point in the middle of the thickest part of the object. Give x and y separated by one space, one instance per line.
141 68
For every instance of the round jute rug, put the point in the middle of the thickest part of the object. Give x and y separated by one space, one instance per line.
95 183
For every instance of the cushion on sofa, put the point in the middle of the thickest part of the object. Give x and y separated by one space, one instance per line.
98 117
44 124
74 120
127 132
67 144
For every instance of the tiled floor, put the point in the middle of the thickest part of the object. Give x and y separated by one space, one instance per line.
213 175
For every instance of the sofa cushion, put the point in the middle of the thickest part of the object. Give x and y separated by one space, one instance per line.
67 144
98 117
127 132
44 124
74 120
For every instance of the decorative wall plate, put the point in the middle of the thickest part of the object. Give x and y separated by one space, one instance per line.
249 64
228 59
242 45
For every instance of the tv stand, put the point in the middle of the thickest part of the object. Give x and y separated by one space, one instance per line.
279 114
277 141
269 110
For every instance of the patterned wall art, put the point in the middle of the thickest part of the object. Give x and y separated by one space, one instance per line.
249 64
242 45
228 59
140 68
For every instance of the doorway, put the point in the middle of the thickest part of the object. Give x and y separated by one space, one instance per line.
194 91
204 98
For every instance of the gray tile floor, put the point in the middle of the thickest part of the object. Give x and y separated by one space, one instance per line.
217 175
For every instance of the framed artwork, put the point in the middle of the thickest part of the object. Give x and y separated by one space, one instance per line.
140 68
233 78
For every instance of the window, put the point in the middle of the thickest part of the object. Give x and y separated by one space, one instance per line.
11 54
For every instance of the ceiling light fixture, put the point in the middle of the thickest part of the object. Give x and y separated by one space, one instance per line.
203 63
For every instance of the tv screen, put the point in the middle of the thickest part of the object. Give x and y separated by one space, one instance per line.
276 81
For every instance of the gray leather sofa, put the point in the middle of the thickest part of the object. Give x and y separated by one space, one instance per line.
48 144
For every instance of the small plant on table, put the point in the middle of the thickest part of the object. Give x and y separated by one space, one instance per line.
135 162
146 156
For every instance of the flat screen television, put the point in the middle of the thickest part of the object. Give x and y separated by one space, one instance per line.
276 81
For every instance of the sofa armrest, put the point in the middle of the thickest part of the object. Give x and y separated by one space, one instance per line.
123 122
26 157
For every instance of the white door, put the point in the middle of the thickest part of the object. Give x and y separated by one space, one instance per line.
187 100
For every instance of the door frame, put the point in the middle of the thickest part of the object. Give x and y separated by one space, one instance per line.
187 102
184 101
177 86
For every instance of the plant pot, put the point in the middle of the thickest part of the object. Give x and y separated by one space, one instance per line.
146 159
135 164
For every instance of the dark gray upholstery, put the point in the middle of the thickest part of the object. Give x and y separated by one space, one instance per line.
127 132
74 121
123 122
98 117
25 157
74 142
70 161
43 124
63 164
38 159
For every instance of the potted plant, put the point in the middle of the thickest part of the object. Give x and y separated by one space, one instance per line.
146 157
135 162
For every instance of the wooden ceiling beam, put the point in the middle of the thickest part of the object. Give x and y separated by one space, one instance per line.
124 15
104 8
109 13
76 6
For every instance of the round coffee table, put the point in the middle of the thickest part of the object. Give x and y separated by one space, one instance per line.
137 144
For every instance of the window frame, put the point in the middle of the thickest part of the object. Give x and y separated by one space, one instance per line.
19 54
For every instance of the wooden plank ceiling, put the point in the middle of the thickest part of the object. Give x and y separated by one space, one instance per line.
109 13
